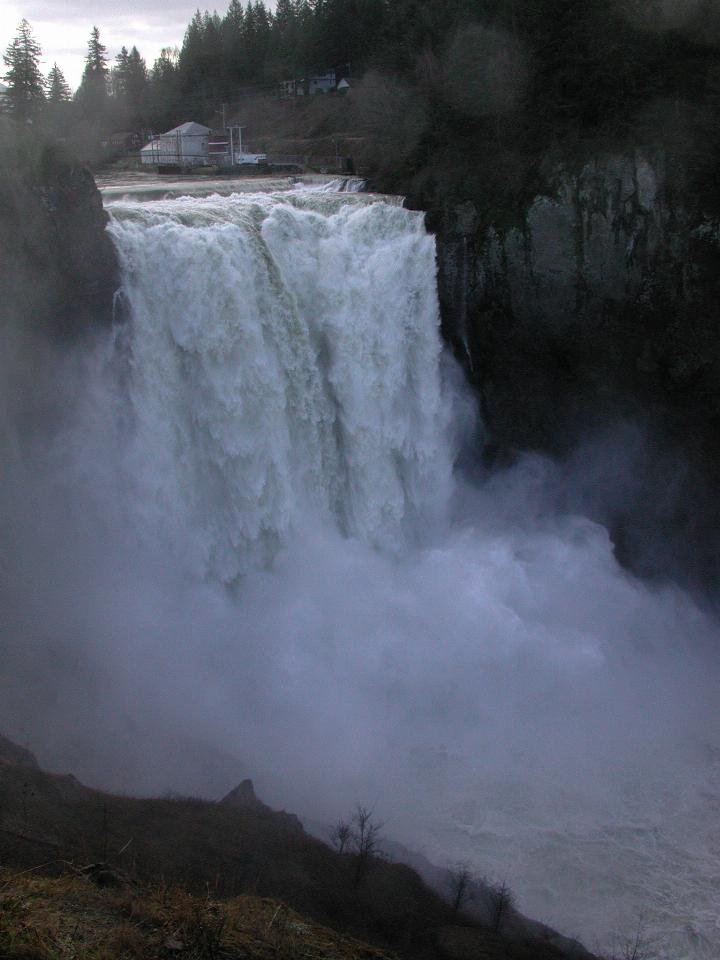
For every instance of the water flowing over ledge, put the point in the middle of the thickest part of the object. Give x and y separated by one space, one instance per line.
242 542
265 329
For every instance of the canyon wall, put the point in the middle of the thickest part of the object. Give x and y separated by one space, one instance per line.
595 309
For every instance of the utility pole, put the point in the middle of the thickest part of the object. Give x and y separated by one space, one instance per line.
239 145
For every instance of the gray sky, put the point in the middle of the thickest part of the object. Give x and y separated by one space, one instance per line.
62 28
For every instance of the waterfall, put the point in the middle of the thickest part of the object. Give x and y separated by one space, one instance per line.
236 538
285 363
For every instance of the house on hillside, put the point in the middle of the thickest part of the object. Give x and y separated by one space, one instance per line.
183 146
322 83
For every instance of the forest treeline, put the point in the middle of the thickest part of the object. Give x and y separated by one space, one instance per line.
468 80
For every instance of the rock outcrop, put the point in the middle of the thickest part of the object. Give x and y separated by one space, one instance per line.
605 292
60 271
243 797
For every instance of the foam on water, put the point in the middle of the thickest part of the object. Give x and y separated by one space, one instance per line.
264 331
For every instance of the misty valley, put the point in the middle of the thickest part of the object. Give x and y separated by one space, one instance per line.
249 532
359 471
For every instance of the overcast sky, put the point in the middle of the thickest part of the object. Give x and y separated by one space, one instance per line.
62 27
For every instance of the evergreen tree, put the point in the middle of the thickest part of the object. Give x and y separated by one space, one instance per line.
163 93
232 42
26 85
200 64
92 94
58 89
190 61
136 87
257 38
59 110
128 82
118 76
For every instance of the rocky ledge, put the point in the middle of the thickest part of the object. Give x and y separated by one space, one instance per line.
60 272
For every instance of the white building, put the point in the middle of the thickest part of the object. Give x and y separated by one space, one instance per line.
322 83
183 146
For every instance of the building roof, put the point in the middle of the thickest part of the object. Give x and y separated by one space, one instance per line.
189 129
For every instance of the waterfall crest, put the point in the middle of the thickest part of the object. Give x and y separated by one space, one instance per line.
285 363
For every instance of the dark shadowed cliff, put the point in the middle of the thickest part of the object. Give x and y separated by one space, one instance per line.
591 315
567 157
59 268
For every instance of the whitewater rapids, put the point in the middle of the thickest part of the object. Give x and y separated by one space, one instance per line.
245 542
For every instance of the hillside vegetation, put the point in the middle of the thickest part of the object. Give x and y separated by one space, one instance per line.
62 918
460 98
85 872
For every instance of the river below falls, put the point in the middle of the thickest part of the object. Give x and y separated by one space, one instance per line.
247 536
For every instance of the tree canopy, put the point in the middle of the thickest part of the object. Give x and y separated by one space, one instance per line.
492 84
58 90
93 92
26 84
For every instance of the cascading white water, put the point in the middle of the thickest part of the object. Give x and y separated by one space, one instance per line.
244 537
285 362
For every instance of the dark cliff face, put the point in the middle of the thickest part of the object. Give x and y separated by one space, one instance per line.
599 308
602 298
59 267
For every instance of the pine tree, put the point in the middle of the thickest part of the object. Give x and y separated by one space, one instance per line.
257 38
58 89
26 85
129 81
93 91
96 61
60 108
164 90
285 40
233 50
136 86
118 76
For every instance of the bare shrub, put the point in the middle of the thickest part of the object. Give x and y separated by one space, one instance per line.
341 835
461 879
365 836
635 947
502 901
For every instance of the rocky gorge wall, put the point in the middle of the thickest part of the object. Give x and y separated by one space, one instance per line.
599 308
59 266
57 283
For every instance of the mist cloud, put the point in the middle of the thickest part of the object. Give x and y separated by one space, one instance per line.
501 686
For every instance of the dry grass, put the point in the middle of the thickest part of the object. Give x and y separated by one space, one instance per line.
69 918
